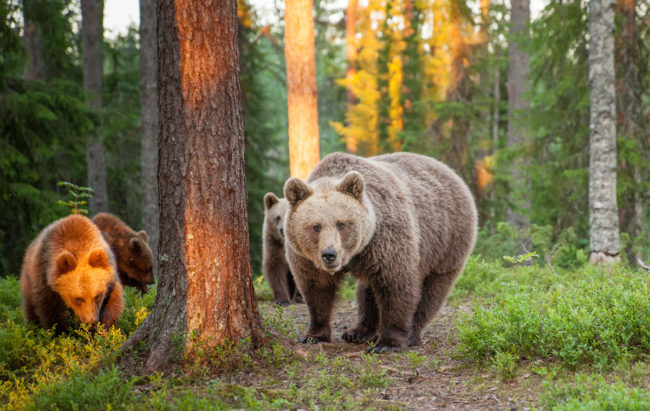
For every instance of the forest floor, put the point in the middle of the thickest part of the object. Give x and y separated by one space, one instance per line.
428 377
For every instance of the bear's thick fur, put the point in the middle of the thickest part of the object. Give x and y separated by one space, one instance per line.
132 253
402 224
274 262
70 266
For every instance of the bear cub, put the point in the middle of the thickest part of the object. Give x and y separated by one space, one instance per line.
132 253
67 267
274 262
402 224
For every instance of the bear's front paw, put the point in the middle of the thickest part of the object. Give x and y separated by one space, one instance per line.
380 349
358 336
313 340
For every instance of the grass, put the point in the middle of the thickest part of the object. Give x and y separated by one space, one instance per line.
600 318
575 338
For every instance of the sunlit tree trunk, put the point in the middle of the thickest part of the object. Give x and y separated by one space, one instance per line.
92 27
33 40
351 144
604 238
518 72
302 93
149 123
205 288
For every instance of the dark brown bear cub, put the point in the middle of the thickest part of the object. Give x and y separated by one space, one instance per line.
402 224
69 266
274 262
133 255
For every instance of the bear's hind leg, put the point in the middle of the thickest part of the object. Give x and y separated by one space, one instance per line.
366 328
435 289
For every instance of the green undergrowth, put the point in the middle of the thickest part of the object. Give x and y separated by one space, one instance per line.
32 358
591 315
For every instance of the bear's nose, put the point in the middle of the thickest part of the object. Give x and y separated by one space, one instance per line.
281 231
329 255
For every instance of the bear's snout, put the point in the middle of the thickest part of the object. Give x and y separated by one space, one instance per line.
282 231
329 256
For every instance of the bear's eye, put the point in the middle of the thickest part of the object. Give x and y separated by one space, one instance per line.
78 301
340 226
277 219
317 228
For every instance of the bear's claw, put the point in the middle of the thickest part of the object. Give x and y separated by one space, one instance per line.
380 349
309 340
358 337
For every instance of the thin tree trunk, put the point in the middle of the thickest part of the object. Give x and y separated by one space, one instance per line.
604 238
351 144
630 119
518 106
205 289
92 27
302 92
497 112
33 40
149 123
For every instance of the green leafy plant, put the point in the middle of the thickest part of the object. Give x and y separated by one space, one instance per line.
80 196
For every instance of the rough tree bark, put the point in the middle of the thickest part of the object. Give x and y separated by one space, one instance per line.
518 106
33 40
630 119
92 27
205 288
351 144
149 123
604 241
302 92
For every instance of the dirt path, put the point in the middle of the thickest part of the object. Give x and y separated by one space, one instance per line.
423 378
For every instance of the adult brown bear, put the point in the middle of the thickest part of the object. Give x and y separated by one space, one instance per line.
402 224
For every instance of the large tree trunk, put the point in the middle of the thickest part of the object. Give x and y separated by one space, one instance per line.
149 123
351 143
302 93
92 27
604 238
33 40
518 71
205 288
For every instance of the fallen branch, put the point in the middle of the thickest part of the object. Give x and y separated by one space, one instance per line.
642 264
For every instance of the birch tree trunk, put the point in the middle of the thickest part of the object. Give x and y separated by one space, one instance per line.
92 27
518 106
302 92
206 287
149 123
604 241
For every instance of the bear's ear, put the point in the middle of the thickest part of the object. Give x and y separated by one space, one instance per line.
270 200
143 235
352 185
65 262
296 191
135 246
98 258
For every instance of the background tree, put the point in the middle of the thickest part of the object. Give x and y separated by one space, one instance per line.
518 106
351 57
302 92
92 27
205 294
604 241
149 123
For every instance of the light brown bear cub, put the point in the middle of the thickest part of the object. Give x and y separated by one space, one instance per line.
70 266
274 262
402 224
132 253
